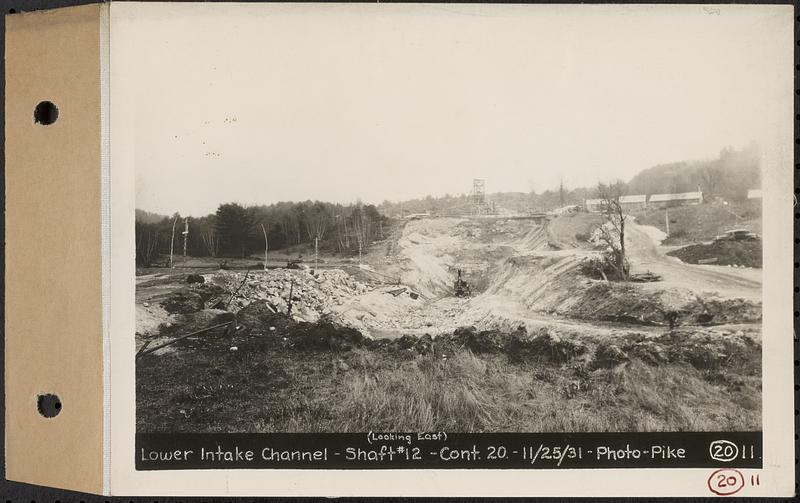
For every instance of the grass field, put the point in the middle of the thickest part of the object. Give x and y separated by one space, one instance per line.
278 381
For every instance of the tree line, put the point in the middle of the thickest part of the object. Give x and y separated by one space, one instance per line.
240 231
729 176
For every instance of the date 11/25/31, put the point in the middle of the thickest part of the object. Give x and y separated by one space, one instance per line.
601 453
558 453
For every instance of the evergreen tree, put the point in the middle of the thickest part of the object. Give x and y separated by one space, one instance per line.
233 224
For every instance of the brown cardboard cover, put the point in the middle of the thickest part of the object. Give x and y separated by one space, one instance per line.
53 259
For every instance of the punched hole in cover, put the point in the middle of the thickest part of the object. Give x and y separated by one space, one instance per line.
45 113
49 405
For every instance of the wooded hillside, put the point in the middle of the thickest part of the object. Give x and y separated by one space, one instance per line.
729 176
238 231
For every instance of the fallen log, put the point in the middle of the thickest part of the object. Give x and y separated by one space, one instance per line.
645 277
214 303
144 346
143 351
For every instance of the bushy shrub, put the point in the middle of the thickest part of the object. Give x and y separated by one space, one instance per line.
602 267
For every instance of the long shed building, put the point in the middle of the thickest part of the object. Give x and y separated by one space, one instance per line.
679 199
628 203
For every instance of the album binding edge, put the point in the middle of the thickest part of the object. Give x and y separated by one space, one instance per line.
55 335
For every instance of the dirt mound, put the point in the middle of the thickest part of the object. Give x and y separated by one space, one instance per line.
407 346
380 310
199 320
711 311
194 297
739 350
183 301
210 293
259 318
607 301
485 341
325 335
520 347
151 317
735 253
545 346
322 335
629 303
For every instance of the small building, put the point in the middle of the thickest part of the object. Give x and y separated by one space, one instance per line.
679 199
754 194
630 203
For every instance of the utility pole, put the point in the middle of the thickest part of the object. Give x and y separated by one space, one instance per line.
666 220
561 191
185 238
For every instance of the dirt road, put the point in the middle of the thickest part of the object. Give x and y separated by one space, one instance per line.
646 255
517 278
528 283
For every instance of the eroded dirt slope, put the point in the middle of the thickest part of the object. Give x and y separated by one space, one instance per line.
518 275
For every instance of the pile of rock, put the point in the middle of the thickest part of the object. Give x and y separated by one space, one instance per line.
313 293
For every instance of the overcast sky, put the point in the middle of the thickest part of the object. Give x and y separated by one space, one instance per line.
270 102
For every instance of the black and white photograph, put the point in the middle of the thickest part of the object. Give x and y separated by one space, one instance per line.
350 249
527 223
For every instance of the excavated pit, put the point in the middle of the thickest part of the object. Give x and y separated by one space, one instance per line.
523 282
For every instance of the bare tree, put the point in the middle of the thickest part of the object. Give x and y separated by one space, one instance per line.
341 221
210 241
146 245
362 229
359 232
344 235
266 246
612 231
316 227
711 177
